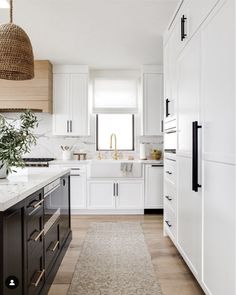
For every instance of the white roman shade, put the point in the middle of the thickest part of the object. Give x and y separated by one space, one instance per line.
115 95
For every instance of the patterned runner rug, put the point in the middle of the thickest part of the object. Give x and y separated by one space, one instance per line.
114 261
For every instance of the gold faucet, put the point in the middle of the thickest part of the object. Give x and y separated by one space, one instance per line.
115 156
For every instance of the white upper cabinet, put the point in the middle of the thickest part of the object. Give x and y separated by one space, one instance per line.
79 104
61 107
70 102
152 100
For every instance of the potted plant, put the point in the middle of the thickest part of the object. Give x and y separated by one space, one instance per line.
16 141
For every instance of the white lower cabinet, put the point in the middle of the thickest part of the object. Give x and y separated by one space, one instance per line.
78 190
115 194
101 194
153 187
130 195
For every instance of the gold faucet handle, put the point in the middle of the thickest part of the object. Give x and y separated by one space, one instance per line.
99 155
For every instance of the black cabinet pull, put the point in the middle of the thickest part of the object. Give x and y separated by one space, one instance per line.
168 172
183 33
64 182
67 126
195 184
168 223
114 189
168 198
117 190
167 107
70 125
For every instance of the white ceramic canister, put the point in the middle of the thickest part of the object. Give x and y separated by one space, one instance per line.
66 155
142 151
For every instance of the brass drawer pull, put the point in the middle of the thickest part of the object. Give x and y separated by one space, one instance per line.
37 278
53 246
35 204
35 236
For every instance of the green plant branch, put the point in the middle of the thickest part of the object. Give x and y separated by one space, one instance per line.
15 142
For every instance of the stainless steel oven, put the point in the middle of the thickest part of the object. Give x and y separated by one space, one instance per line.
52 210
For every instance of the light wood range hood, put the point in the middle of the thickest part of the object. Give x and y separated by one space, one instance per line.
35 94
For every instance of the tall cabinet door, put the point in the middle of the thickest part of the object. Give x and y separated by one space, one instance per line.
61 106
189 201
79 104
218 108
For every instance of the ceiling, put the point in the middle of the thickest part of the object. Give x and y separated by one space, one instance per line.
100 33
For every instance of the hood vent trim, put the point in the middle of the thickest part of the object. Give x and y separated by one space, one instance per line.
19 110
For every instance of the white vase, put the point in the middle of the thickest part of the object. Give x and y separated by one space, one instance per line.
3 170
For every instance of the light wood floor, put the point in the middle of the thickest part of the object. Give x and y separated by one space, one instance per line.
174 276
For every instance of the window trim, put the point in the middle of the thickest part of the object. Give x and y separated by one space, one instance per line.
123 150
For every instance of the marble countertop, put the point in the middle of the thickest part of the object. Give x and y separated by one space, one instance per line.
25 182
85 162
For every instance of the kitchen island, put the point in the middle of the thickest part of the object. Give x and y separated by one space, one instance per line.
35 229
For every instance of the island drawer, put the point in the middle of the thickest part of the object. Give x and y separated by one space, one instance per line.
36 272
35 230
51 246
34 202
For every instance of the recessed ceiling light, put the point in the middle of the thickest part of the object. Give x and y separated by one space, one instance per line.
4 4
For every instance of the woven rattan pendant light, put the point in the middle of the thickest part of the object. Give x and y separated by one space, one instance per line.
16 54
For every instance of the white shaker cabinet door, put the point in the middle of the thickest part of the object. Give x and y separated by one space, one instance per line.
130 194
189 216
78 191
101 195
61 104
79 104
153 187
189 208
188 94
218 84
219 247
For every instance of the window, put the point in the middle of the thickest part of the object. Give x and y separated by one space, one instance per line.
120 124
115 95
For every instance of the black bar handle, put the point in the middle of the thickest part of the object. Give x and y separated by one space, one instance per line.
168 198
167 107
117 189
183 34
114 189
195 184
168 223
